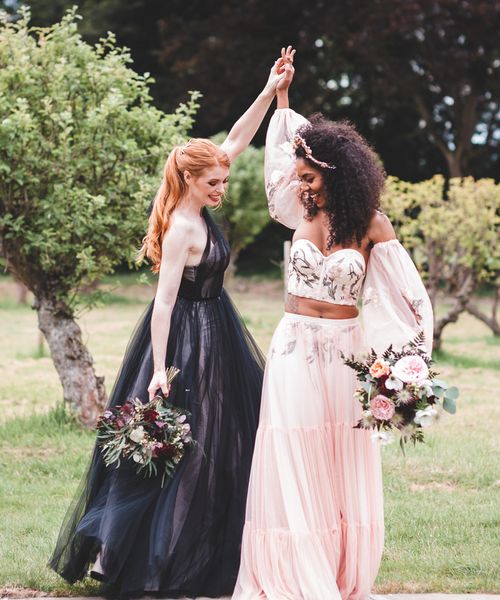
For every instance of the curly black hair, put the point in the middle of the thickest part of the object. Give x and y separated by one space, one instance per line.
353 188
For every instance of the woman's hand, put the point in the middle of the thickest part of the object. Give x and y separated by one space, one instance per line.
281 71
159 380
287 69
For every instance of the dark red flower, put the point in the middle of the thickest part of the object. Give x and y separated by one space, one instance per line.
128 408
150 415
166 451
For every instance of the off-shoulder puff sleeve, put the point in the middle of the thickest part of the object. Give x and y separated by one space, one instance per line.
280 175
395 303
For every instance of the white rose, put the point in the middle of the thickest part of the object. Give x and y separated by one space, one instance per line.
138 457
137 435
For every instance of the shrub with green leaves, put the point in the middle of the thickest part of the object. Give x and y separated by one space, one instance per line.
453 237
245 207
81 148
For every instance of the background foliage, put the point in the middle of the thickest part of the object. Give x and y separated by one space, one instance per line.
81 147
418 77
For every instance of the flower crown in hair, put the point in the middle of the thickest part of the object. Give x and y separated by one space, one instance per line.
299 142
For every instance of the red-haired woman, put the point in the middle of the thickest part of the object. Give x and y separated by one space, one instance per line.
183 539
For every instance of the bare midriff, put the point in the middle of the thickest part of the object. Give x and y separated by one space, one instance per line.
318 308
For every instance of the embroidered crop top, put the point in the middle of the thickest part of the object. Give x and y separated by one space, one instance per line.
336 278
395 304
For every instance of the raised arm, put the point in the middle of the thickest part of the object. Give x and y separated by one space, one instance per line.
284 84
246 126
175 251
282 184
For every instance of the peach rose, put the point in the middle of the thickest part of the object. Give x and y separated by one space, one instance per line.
381 407
380 368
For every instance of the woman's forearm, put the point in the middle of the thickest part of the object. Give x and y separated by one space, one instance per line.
282 96
160 329
243 131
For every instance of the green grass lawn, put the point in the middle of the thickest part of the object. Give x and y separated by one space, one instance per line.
442 499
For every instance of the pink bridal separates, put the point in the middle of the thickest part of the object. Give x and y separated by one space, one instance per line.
314 525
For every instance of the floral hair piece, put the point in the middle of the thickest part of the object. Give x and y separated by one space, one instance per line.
299 142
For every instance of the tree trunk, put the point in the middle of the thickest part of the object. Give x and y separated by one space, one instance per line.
21 292
83 391
453 159
492 321
462 298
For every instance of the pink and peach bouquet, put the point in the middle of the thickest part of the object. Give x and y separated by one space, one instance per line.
400 391
153 435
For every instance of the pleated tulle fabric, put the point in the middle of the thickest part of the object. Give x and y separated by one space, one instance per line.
183 539
314 523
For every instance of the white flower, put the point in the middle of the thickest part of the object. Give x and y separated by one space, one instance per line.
411 369
383 437
137 435
138 457
426 387
393 383
426 417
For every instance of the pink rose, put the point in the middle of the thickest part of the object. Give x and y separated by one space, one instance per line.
410 369
380 368
382 408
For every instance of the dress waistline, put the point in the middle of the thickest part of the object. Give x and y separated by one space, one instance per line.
321 320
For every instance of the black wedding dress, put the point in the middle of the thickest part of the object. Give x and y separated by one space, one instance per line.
183 539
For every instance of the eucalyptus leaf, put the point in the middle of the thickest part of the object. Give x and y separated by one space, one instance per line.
449 405
451 393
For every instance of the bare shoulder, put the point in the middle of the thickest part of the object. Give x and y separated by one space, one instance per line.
380 228
180 233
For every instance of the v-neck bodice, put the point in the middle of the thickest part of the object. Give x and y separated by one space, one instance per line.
204 281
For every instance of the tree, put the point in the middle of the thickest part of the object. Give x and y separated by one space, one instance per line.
440 58
244 211
418 77
453 238
80 151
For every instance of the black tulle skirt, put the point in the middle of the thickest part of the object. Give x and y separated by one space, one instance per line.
183 539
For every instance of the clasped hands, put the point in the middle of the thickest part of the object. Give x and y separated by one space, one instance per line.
282 71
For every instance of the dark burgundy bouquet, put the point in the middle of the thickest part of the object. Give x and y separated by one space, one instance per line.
154 435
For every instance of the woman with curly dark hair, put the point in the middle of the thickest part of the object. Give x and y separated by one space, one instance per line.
314 522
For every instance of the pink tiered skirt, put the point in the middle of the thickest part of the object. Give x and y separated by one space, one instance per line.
314 525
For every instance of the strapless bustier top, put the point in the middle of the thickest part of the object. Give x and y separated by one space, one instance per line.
336 278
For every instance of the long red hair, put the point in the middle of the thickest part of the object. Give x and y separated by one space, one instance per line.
195 156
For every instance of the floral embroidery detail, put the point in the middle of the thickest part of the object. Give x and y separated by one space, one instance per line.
370 295
319 343
303 269
414 304
335 278
274 183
